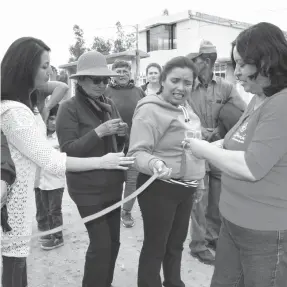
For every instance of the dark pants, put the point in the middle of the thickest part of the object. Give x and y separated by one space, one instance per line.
52 202
165 211
205 215
250 258
104 234
14 272
41 212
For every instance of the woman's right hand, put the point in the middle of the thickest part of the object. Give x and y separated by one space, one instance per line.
116 161
162 170
108 128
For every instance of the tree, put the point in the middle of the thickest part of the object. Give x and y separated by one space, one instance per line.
79 47
123 42
165 12
101 45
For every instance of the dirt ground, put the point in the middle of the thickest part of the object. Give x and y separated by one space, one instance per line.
63 267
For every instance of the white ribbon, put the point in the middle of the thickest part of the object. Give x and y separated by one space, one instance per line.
75 225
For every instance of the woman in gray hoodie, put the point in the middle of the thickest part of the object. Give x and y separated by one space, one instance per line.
160 123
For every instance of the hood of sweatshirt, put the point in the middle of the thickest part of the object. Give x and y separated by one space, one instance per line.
156 101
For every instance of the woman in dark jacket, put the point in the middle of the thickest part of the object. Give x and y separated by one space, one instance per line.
8 175
89 125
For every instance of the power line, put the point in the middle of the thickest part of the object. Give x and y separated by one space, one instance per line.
114 27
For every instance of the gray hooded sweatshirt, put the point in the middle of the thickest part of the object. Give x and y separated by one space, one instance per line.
158 129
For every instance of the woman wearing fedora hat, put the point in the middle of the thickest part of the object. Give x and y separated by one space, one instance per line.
90 125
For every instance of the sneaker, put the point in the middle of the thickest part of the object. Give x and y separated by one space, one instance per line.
127 219
52 243
205 256
44 238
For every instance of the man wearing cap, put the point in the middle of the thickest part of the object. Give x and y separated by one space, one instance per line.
210 95
89 125
123 92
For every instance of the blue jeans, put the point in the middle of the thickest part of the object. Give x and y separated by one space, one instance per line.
52 202
250 258
130 187
14 272
41 212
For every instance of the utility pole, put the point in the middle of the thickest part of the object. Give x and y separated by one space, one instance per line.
137 55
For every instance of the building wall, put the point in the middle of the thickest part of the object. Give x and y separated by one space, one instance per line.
142 41
221 36
189 35
230 74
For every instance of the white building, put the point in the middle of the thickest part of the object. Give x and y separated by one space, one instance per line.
168 36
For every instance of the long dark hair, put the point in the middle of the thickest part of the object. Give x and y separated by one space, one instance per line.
264 45
177 62
18 70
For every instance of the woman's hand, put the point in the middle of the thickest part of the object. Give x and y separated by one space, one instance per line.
122 130
196 146
108 128
116 161
161 170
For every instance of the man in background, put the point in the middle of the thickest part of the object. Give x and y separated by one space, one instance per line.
123 92
210 95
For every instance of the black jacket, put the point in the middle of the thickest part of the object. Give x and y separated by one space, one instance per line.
75 124
8 174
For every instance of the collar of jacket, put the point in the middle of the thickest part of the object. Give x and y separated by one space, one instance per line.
116 86
100 104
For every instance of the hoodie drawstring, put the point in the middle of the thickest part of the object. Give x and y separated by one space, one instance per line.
185 113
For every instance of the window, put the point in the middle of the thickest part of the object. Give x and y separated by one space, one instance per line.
142 79
173 36
162 37
220 70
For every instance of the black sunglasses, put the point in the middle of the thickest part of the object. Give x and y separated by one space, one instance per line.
98 80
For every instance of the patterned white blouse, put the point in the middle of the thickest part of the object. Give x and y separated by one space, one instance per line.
29 150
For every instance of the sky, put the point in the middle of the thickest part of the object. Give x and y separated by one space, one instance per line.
52 21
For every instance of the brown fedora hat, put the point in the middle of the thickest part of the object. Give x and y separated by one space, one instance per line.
93 64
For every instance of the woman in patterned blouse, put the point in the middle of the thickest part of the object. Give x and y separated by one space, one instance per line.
25 67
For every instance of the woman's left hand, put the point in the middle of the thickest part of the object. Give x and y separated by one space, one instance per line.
122 130
196 146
